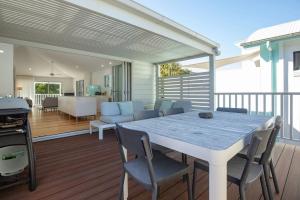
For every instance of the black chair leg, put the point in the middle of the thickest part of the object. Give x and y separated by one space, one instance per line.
242 191
264 187
194 181
122 186
189 189
184 161
274 177
184 158
267 180
155 193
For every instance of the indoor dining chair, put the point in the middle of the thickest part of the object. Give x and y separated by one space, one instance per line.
151 168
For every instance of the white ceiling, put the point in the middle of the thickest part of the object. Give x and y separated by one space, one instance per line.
42 62
63 24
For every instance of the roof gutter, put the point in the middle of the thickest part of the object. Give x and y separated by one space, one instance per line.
277 38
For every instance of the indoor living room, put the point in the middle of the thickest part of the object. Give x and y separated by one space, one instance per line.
63 90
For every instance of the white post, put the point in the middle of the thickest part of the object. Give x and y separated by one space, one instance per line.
212 79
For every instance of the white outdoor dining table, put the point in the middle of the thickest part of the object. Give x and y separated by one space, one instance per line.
215 140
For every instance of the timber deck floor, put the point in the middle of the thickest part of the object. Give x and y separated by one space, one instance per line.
82 167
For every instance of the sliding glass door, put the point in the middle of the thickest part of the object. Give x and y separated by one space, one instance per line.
121 90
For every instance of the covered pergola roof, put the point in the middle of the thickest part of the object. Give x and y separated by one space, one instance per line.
122 29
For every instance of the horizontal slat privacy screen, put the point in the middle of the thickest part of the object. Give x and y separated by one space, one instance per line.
194 87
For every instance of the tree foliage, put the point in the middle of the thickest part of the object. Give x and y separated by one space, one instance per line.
45 88
172 69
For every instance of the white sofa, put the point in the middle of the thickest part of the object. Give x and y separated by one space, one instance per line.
78 106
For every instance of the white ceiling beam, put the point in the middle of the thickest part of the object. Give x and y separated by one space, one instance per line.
132 13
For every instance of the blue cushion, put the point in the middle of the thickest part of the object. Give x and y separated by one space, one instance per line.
110 109
126 108
165 105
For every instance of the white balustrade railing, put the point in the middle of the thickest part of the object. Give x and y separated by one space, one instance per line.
287 105
38 98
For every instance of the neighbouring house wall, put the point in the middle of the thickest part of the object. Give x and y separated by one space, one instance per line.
289 47
98 78
143 82
6 70
27 84
244 76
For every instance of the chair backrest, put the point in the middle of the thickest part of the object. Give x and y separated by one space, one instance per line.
185 104
138 143
272 140
252 151
234 110
265 135
173 111
146 114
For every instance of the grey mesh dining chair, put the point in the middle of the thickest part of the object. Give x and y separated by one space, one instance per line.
265 158
151 168
146 114
240 171
173 111
234 110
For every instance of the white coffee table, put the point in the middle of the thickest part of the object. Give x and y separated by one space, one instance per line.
101 126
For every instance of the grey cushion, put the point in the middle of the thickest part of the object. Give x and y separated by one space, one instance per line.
116 118
110 109
158 103
185 104
165 106
138 106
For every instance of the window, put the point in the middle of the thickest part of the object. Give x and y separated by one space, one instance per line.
47 88
296 60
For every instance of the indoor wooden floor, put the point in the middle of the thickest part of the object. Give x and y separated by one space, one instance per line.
52 122
81 167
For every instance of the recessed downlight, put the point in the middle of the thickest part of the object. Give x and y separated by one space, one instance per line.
1 51
29 69
110 62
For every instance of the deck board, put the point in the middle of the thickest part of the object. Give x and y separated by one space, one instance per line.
82 167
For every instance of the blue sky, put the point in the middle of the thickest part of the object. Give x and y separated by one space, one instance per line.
226 21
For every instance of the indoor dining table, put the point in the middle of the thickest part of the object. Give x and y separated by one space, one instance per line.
214 140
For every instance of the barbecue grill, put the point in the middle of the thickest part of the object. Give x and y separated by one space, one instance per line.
17 161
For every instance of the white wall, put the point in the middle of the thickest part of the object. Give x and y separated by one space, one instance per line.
27 84
6 70
143 82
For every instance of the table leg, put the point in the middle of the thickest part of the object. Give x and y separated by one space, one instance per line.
218 182
125 189
91 129
100 133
